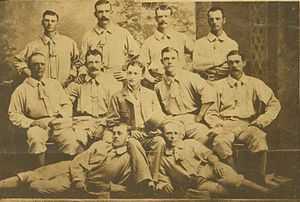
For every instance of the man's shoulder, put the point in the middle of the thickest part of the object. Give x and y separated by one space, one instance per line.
202 39
66 38
190 142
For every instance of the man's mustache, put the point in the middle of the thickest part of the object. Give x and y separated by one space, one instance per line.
104 18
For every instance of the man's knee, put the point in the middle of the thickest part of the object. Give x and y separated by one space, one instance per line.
197 131
222 145
36 139
255 139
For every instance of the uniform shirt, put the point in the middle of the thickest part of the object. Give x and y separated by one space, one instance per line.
135 110
61 53
211 50
184 93
115 43
152 47
92 97
238 98
182 161
33 100
100 165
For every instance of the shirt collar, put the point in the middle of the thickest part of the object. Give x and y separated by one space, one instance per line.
33 82
169 79
232 81
169 149
161 36
46 39
109 29
120 150
211 37
97 79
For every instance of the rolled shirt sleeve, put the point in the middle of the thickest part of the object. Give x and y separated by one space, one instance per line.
16 113
272 104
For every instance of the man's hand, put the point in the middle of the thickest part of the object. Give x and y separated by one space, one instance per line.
80 186
39 123
259 123
120 75
168 188
117 188
137 134
219 168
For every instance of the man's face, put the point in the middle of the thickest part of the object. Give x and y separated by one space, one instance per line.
103 13
37 66
172 133
134 75
120 136
236 64
163 18
216 20
170 62
49 23
94 64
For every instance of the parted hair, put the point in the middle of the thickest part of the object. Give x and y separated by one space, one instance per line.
50 12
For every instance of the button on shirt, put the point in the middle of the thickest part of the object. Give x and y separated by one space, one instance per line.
101 164
238 98
115 43
151 49
211 51
92 97
184 93
61 53
33 100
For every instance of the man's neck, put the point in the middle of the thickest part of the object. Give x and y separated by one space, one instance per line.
104 26
50 34
237 75
163 30
217 33
135 87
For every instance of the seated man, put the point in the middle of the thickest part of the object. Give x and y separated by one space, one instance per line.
37 102
103 167
188 164
238 117
91 98
135 105
184 95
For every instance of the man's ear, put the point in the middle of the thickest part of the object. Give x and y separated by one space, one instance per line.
224 20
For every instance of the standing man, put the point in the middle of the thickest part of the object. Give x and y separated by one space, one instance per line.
164 36
103 167
239 118
189 164
61 51
184 95
135 105
115 43
35 104
210 51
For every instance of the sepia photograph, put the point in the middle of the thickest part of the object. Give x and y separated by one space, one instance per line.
145 100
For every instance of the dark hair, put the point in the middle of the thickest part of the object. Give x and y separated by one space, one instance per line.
50 12
133 62
237 52
168 49
163 7
213 9
100 2
32 55
93 52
